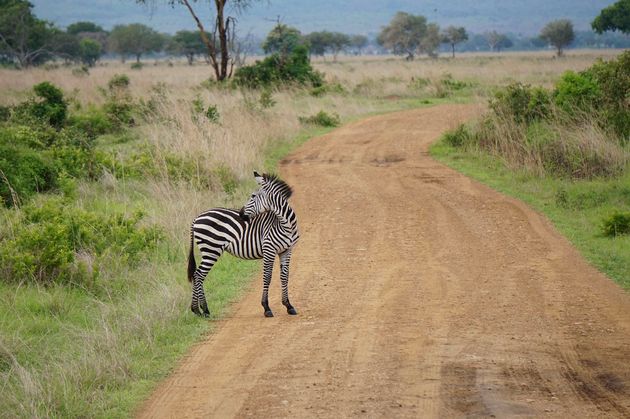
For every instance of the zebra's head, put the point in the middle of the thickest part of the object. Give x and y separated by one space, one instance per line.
271 196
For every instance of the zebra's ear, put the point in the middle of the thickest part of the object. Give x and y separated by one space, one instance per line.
259 178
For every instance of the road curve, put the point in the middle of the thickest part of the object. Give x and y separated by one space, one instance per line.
421 293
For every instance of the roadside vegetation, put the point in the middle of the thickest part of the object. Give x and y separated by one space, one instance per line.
563 149
102 172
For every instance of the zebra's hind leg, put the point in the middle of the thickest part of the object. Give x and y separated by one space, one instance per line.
199 305
285 258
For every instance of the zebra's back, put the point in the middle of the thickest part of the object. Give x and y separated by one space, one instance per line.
222 229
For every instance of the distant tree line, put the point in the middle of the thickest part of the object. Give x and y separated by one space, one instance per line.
27 41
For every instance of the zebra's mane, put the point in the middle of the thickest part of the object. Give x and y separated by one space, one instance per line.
278 185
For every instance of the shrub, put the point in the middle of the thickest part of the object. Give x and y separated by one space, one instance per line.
613 81
459 137
24 172
5 113
275 70
137 66
522 102
322 119
576 91
93 123
49 107
49 236
118 82
616 224
212 113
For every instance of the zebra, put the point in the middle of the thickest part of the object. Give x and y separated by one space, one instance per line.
264 227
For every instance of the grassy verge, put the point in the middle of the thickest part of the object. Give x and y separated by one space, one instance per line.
576 207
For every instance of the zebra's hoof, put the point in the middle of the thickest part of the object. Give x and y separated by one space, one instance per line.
268 313
291 311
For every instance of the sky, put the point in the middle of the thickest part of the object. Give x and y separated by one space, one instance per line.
351 16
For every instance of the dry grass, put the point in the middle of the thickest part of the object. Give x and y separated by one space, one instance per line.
43 371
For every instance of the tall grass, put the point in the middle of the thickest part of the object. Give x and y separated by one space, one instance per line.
72 352
572 147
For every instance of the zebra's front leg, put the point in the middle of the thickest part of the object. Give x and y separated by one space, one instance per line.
268 259
285 259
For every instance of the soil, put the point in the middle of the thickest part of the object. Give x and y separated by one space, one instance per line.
420 292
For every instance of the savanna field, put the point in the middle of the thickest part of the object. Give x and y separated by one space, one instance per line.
94 302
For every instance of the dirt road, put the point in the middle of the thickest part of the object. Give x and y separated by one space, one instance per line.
420 292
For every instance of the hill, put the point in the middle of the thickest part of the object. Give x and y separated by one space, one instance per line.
352 16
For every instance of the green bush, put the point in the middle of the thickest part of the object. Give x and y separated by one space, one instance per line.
616 224
48 107
49 236
613 81
24 172
576 91
522 102
322 119
93 123
276 70
212 113
459 137
118 82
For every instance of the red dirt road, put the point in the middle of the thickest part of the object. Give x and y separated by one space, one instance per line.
420 293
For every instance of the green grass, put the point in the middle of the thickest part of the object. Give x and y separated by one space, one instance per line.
67 353
576 207
72 352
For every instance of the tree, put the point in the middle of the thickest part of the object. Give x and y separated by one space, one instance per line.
134 39
358 42
453 36
614 17
187 43
318 42
403 34
223 32
282 39
558 33
90 51
338 42
83 26
23 37
497 41
430 41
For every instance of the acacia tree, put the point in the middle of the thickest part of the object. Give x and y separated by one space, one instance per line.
135 39
318 42
403 34
282 39
558 33
430 41
338 42
453 36
358 42
187 43
614 17
222 36
497 41
23 37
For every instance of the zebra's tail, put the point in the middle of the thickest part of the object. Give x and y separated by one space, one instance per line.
192 265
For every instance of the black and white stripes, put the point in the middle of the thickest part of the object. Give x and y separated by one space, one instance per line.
266 226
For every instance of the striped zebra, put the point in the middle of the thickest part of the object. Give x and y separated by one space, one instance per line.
266 226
